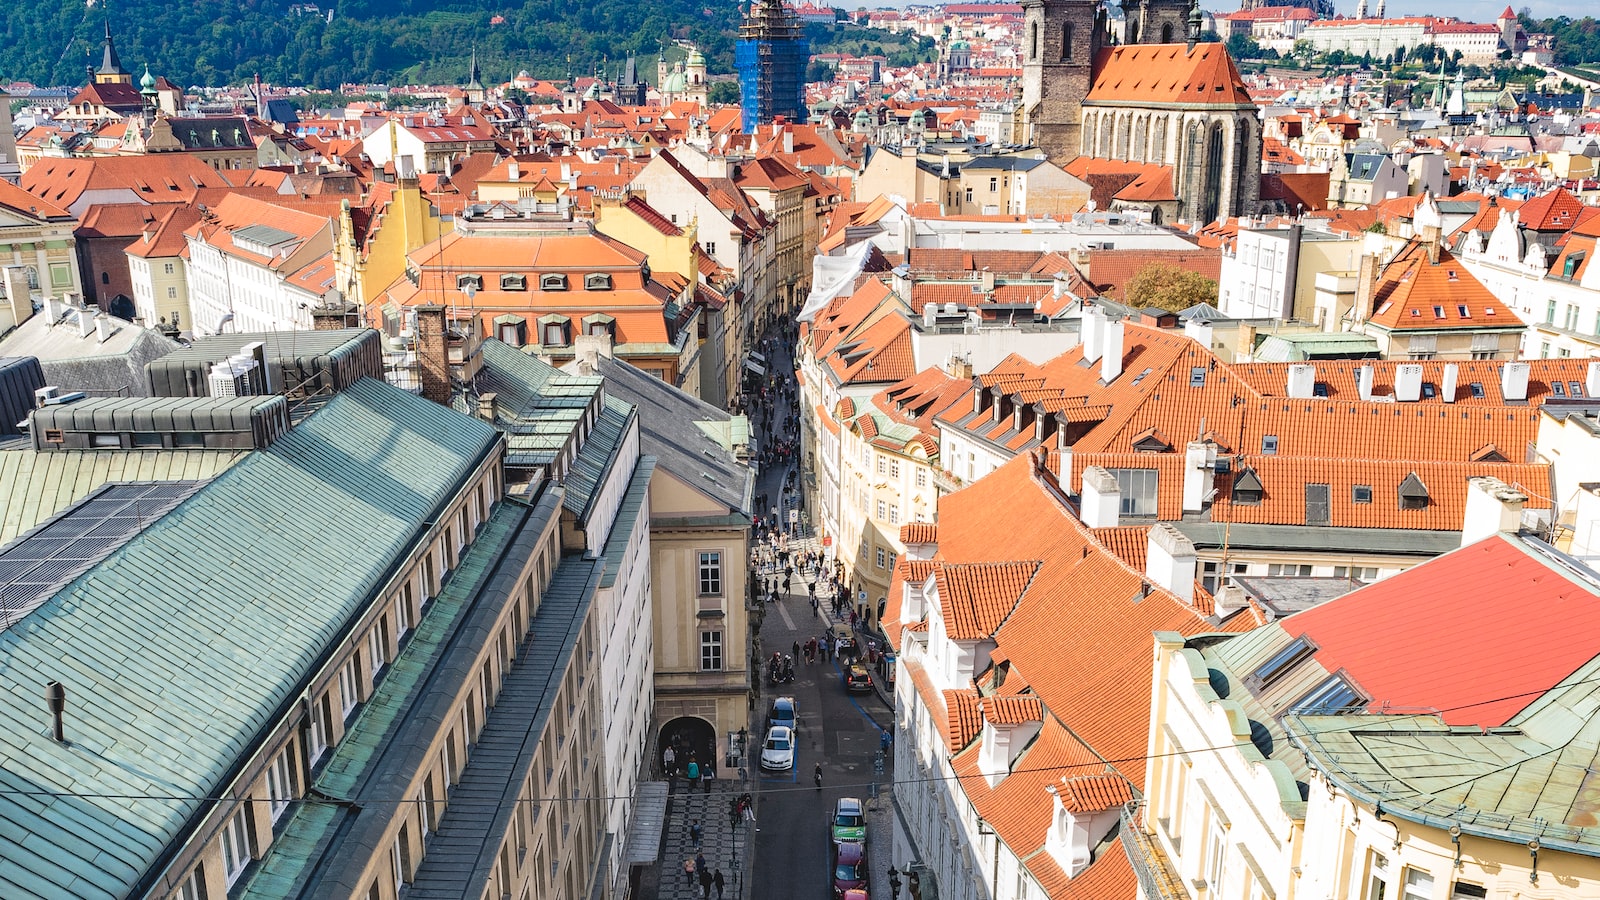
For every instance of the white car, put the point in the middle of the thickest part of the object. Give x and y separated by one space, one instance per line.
777 752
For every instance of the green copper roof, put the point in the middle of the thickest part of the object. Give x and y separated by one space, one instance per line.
189 641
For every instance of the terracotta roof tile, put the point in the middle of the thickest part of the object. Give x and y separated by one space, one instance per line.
1014 710
919 533
976 597
1196 75
1093 793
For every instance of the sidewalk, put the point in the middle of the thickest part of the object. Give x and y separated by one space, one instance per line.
724 847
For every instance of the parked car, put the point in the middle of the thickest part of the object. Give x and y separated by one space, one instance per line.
844 641
783 713
849 821
849 868
857 680
777 752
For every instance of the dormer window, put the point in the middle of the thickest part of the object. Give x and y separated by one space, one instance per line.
1247 487
513 282
474 282
553 282
555 331
600 325
597 281
1413 493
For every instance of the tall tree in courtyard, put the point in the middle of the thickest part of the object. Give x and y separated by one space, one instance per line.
1169 287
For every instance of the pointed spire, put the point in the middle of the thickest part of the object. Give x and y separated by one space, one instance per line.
110 64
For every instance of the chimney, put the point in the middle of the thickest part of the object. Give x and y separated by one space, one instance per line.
986 278
1198 476
788 139
1493 507
1094 327
102 328
902 282
1514 381
1101 499
52 311
1591 384
1430 241
1169 560
959 368
1111 360
1408 382
1302 381
1447 385
513 171
488 406
1364 383
55 697
930 314
1366 281
86 319
433 354
1058 285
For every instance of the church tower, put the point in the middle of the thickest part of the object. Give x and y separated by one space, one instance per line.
1157 21
1060 41
111 70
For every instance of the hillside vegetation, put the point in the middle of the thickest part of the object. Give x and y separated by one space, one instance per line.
216 42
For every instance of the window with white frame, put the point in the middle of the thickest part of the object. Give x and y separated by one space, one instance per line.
922 478
710 651
317 730
235 846
349 687
376 650
882 558
1139 491
280 784
194 886
402 613
894 514
1419 884
1377 876
894 468
1216 856
710 573
883 510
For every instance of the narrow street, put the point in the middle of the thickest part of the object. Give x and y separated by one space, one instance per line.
839 730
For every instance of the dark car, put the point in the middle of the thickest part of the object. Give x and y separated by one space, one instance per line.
857 680
849 868
782 713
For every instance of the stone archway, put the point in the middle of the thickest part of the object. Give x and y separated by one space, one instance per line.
686 735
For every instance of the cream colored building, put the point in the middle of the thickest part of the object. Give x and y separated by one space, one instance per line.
38 237
1286 762
700 515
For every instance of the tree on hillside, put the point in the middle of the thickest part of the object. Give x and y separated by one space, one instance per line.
1243 46
1169 287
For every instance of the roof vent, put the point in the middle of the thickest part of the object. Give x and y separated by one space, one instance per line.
55 696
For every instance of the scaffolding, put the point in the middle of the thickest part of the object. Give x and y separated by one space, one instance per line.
771 58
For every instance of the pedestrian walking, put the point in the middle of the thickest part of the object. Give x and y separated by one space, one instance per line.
669 762
700 863
696 833
705 884
694 770
688 872
716 879
796 648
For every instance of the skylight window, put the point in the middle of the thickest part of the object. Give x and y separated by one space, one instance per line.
1330 698
1361 493
1463 311
1559 389
1438 312
1279 664
1575 388
1477 390
1269 444
1197 376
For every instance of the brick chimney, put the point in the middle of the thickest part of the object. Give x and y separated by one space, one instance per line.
433 354
1366 283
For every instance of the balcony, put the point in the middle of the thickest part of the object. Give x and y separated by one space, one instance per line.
1156 880
947 482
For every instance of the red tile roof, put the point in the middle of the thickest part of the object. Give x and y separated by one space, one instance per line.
1415 293
919 533
976 597
1194 75
1447 635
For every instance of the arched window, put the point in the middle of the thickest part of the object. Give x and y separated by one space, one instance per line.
1211 202
1166 33
1033 40
1066 42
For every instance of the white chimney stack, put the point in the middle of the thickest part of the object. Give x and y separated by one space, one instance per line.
1094 326
1198 476
1447 386
1591 384
86 319
1302 381
1101 500
1493 507
1364 383
1111 358
52 311
102 328
513 171
1169 560
788 139
1514 381
930 314
1408 382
